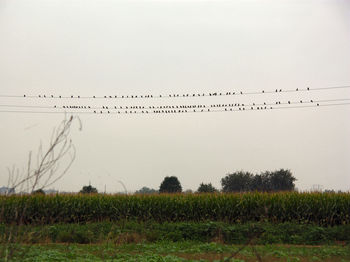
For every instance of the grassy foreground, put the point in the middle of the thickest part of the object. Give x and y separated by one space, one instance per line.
135 232
178 251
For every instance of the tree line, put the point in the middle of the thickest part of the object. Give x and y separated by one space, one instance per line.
240 181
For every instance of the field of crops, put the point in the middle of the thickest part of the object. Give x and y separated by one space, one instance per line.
319 208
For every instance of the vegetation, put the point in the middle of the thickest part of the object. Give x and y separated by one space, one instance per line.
151 231
178 252
170 185
88 190
206 188
322 209
146 190
280 180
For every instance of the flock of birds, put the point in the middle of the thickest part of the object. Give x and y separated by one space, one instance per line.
170 95
175 108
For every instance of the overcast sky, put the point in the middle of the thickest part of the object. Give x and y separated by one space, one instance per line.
96 47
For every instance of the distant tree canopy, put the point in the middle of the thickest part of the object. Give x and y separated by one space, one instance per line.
146 190
206 188
280 180
88 190
39 192
170 185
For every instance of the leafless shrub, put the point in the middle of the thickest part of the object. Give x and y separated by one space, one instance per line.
47 169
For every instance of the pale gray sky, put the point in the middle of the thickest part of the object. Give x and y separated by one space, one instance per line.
95 47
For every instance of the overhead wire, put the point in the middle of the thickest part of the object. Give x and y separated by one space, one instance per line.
169 111
150 107
183 95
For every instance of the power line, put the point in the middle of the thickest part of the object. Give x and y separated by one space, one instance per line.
217 105
183 95
170 111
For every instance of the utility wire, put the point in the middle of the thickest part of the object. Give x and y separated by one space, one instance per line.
139 107
187 95
170 111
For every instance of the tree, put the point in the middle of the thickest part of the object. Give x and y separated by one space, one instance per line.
170 185
262 182
237 182
282 180
146 190
38 192
206 188
279 180
88 190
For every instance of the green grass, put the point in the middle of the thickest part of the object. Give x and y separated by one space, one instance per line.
151 231
177 251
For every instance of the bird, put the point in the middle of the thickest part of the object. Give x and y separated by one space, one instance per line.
263 91
318 104
288 102
24 95
308 88
297 89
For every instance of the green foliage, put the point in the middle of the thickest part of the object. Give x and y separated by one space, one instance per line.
168 251
146 190
39 191
206 188
88 190
170 185
280 180
304 208
237 182
138 232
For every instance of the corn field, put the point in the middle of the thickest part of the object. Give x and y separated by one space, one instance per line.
318 208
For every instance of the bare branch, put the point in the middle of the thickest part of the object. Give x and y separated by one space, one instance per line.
46 171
